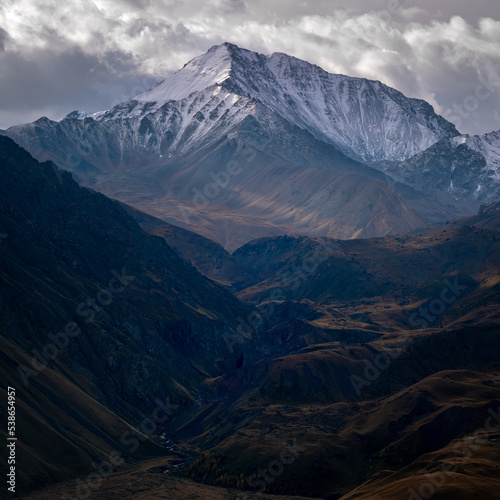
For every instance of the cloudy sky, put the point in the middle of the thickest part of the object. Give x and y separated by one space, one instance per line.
89 54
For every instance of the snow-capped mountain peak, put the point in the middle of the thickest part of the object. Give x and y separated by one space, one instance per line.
214 92
364 119
198 74
158 148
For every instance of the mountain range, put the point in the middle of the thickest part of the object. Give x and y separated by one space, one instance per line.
308 152
325 323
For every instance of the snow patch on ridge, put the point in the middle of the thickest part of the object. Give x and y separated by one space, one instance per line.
488 145
212 68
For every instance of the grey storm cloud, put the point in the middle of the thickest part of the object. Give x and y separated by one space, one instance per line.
82 54
48 84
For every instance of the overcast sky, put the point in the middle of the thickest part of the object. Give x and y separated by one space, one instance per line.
57 56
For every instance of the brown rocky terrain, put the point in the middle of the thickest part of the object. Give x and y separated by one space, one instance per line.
306 368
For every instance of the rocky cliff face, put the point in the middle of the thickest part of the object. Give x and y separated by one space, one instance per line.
464 168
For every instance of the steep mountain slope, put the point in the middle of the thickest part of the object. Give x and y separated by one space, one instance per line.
237 145
209 258
466 168
364 119
99 322
62 428
267 177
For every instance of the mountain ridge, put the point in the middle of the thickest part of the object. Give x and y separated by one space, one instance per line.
305 95
292 131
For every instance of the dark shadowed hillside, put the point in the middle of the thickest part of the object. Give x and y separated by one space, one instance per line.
99 314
